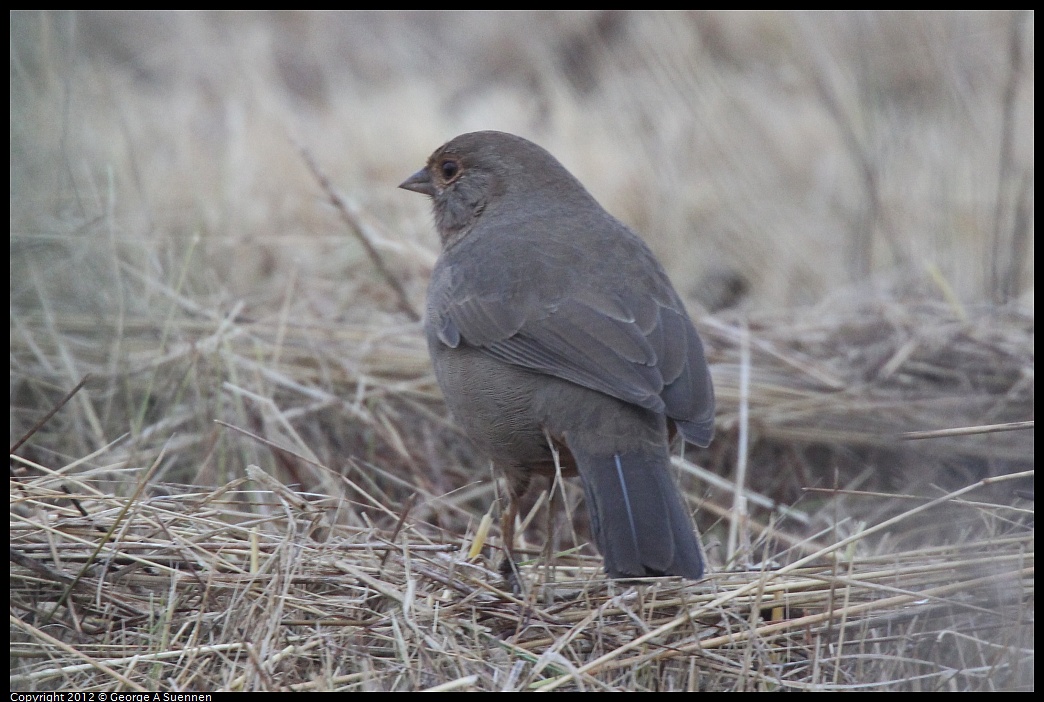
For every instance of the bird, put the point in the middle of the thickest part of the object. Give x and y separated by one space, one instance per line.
553 329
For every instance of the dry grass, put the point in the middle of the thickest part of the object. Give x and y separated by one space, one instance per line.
253 586
256 487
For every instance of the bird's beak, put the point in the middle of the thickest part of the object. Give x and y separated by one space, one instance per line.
419 182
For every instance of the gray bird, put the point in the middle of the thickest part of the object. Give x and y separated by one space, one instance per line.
547 318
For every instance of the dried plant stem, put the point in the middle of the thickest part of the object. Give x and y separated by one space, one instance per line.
351 217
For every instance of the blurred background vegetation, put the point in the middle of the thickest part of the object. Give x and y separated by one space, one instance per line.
770 156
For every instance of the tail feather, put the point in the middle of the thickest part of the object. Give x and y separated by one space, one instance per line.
638 518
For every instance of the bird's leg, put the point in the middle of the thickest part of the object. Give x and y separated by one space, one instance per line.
555 480
517 485
549 530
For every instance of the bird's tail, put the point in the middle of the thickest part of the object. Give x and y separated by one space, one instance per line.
637 515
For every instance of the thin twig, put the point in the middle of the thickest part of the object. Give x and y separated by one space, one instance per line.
47 417
350 216
966 431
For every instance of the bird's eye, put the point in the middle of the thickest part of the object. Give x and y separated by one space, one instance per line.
449 169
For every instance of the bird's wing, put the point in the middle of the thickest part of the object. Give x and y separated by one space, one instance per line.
629 345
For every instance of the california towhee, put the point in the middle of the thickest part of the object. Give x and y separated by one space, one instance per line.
549 320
